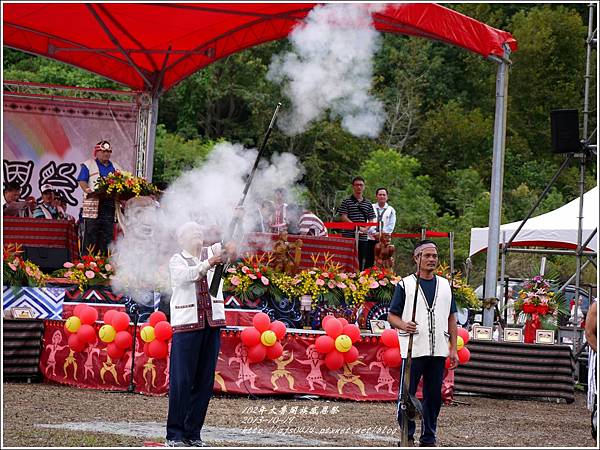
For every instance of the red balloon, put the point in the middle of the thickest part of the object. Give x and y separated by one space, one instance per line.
352 332
157 316
257 353
326 319
351 355
391 357
250 336
158 349
343 321
464 355
278 328
390 338
463 333
75 343
123 340
162 330
333 328
447 363
86 334
88 315
113 351
108 316
146 351
261 321
324 344
120 321
334 360
78 308
274 351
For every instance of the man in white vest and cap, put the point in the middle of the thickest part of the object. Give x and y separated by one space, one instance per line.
434 331
98 214
197 319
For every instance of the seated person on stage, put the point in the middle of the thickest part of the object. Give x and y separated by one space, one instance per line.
61 205
11 205
46 209
311 225
384 252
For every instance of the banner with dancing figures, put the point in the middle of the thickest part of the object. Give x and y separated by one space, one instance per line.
301 369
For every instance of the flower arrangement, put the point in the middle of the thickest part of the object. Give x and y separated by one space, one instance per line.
381 283
17 271
124 185
249 279
91 270
537 298
464 295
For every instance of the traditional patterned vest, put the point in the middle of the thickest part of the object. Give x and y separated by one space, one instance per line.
203 304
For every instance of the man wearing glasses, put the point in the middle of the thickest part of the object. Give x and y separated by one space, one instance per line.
98 213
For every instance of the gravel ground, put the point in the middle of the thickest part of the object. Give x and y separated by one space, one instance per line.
45 415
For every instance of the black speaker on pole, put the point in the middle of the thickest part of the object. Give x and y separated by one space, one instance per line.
565 131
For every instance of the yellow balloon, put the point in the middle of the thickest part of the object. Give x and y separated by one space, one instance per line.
460 343
147 333
73 323
343 343
107 333
268 338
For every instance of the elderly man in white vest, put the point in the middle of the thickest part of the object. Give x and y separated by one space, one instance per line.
434 332
197 319
98 213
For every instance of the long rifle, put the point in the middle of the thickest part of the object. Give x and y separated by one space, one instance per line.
409 406
216 280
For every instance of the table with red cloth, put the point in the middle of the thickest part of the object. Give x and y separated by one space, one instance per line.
341 250
48 233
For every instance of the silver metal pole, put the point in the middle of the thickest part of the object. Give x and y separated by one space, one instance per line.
503 272
578 257
151 136
586 91
491 271
564 286
451 236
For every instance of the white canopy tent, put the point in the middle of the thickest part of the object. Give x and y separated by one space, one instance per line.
557 229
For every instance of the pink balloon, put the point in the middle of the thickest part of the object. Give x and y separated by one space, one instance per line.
463 333
123 340
120 321
113 351
88 315
326 319
250 337
464 355
261 321
324 344
274 351
158 349
391 357
278 328
257 353
75 343
108 316
333 328
155 317
334 360
162 330
86 334
390 338
352 332
351 355
343 321
78 308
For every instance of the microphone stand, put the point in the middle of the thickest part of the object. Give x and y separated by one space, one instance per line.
133 309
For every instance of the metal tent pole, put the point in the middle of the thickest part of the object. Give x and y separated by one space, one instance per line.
578 256
491 271
151 136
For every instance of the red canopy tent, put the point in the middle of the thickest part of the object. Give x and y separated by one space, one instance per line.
152 47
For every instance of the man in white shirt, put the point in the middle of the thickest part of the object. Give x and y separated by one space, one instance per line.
385 216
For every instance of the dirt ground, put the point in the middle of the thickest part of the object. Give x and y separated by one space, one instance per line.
45 415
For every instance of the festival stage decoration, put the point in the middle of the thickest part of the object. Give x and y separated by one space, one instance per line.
391 355
156 334
263 338
80 327
91 270
114 333
17 271
464 354
338 342
123 185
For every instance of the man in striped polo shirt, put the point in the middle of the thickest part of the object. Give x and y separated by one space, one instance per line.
356 208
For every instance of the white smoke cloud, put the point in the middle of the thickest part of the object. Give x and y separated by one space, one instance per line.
331 69
208 195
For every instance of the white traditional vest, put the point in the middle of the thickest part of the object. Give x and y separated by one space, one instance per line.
92 167
432 323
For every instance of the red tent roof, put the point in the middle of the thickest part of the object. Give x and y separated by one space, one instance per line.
134 43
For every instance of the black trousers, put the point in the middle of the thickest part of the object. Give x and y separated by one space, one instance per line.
370 259
363 254
191 378
431 368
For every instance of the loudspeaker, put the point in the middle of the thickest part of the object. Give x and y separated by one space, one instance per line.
565 131
47 258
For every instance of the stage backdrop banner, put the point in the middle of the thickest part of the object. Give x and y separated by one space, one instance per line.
300 370
46 139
